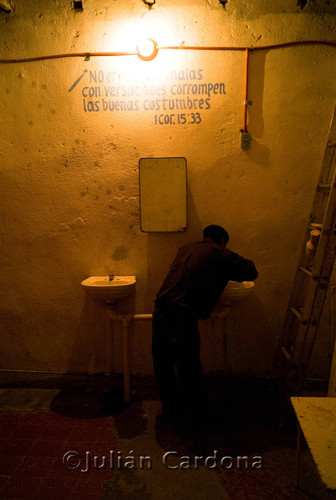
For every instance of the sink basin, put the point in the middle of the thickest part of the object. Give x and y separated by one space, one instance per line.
100 287
235 291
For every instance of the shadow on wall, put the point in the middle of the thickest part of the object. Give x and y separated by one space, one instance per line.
258 153
162 248
250 340
12 324
98 343
91 346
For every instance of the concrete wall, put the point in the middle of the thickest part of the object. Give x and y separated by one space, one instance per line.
69 167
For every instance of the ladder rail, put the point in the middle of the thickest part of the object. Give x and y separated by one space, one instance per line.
311 281
321 272
310 332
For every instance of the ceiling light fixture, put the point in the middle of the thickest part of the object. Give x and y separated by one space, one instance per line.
147 49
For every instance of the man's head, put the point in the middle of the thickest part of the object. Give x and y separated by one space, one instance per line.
216 233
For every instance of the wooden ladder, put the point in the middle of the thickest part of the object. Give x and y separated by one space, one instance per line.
312 278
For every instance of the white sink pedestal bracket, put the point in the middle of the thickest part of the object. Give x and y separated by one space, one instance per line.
126 319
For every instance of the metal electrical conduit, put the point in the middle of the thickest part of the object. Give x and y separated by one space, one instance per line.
87 55
247 50
126 320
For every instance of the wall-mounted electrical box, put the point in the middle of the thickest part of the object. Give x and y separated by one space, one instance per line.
245 140
163 194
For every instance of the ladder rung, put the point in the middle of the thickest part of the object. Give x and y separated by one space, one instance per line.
331 144
314 224
306 271
285 352
296 313
324 187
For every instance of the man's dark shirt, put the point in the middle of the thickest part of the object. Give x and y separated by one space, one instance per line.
199 274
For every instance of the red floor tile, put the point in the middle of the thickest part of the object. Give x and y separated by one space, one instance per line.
56 419
60 420
28 431
35 418
46 448
55 432
34 447
108 441
35 466
3 482
87 488
80 433
79 446
7 430
11 418
22 488
9 464
17 446
54 488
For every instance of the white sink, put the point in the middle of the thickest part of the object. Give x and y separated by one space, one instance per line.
235 291
101 287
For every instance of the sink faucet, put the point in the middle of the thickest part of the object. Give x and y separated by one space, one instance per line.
111 276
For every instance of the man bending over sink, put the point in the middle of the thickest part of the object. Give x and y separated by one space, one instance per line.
190 291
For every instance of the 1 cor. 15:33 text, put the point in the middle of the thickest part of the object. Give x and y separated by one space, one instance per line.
178 119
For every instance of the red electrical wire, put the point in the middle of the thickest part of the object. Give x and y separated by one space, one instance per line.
246 90
247 51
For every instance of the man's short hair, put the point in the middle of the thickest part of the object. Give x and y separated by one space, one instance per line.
216 234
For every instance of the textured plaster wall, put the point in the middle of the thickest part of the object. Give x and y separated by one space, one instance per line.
69 173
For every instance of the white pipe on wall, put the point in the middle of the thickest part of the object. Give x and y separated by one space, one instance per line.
125 320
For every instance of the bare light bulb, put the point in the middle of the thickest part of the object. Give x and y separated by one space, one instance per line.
147 49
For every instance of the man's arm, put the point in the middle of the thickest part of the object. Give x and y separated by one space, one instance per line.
241 269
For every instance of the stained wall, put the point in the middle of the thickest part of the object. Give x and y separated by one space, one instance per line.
72 134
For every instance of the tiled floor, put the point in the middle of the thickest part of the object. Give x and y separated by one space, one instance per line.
49 440
43 455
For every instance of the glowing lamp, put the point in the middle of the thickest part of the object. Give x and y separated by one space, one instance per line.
147 49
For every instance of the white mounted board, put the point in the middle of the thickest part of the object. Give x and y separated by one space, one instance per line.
163 194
